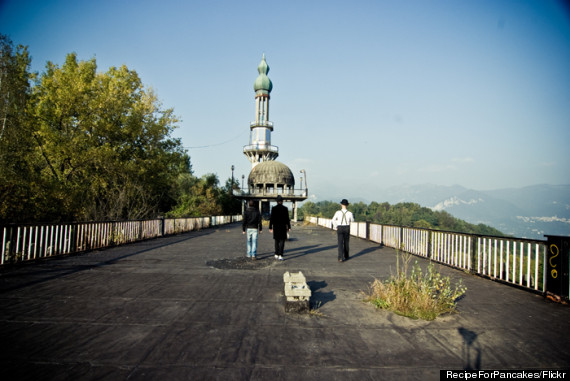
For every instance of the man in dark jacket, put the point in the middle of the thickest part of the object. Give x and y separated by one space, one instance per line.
279 225
251 225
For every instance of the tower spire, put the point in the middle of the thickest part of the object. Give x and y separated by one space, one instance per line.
260 148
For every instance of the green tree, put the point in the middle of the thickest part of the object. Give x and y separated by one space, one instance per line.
328 208
19 189
101 145
422 224
198 197
308 208
359 210
230 205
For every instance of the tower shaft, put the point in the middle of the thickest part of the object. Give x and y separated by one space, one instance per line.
260 148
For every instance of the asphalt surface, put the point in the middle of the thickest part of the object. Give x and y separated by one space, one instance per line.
190 307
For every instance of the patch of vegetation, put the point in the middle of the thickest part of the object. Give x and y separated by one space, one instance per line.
419 295
315 311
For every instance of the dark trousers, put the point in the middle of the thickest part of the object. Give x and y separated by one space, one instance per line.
343 235
279 246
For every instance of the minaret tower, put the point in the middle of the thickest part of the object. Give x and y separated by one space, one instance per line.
260 148
269 180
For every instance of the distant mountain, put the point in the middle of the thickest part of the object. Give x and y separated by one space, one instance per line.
529 212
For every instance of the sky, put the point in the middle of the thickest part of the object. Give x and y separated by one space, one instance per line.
367 94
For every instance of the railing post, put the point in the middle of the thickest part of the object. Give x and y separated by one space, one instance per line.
73 238
473 252
557 265
430 235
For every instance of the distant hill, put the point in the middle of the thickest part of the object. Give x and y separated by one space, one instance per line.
401 214
529 212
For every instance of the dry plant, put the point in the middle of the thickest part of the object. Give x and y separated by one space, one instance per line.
423 295
314 310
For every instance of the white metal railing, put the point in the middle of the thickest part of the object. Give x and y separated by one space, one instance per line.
453 249
260 147
391 236
29 242
261 124
375 233
253 192
513 260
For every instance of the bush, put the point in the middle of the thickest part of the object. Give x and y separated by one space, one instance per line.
419 295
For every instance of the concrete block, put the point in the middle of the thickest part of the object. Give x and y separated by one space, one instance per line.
297 289
297 292
294 277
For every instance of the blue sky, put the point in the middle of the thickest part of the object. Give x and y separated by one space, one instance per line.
366 94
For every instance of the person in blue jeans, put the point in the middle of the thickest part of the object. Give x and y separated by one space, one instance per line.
251 225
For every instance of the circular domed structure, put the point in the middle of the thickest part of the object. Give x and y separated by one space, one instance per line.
271 177
262 82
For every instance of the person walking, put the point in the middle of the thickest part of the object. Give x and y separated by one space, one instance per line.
251 225
341 223
279 225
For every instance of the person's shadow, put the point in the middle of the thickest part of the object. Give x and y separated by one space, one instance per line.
471 350
365 251
306 250
319 297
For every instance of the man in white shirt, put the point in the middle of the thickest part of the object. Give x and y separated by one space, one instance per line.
341 223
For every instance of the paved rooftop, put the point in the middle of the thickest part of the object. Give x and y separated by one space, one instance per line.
159 310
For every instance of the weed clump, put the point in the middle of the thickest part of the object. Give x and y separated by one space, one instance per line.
419 295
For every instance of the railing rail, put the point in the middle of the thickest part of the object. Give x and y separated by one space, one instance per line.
28 242
516 261
260 147
261 123
255 192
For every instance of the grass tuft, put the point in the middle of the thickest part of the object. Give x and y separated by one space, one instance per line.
314 310
419 295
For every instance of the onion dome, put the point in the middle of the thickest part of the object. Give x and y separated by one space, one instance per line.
271 172
263 83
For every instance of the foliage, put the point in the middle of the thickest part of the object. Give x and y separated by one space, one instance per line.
229 204
80 144
204 197
423 295
104 142
401 214
17 186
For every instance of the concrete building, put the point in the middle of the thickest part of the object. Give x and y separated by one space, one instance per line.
268 178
